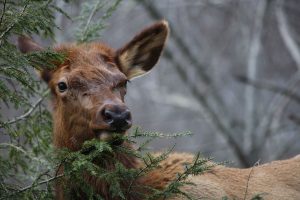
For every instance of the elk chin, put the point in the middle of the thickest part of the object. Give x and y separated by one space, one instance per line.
110 137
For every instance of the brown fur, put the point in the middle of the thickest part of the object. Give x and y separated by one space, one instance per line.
275 180
96 75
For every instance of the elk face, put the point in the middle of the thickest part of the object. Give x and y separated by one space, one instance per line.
89 87
89 92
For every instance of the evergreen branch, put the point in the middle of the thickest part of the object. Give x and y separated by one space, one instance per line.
138 133
20 149
198 167
111 9
153 163
61 11
32 186
88 29
11 26
96 8
13 146
28 113
194 168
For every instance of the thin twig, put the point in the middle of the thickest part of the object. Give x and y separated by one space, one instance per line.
248 180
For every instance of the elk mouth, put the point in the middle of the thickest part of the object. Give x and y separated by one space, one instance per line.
113 137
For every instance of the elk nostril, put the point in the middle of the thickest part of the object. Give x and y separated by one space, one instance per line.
127 115
108 116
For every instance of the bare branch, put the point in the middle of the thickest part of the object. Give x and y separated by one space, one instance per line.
271 87
286 34
176 100
215 120
264 128
185 50
22 150
28 113
250 95
208 110
295 119
273 110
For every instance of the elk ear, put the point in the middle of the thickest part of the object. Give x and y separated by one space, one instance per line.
140 55
27 45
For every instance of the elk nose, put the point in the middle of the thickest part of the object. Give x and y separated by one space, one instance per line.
118 119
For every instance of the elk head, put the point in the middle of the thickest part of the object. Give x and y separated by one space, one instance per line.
88 88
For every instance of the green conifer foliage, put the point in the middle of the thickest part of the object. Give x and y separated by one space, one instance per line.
25 122
77 163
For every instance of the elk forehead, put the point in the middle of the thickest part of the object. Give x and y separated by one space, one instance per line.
88 65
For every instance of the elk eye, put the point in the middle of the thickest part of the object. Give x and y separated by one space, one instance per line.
62 86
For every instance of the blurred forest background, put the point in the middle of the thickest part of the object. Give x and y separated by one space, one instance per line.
229 74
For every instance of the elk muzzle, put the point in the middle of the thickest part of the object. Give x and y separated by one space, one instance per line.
112 119
117 117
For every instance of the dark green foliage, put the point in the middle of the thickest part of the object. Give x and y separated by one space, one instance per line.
90 22
85 161
25 122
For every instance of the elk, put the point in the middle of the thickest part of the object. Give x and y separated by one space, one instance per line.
88 91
